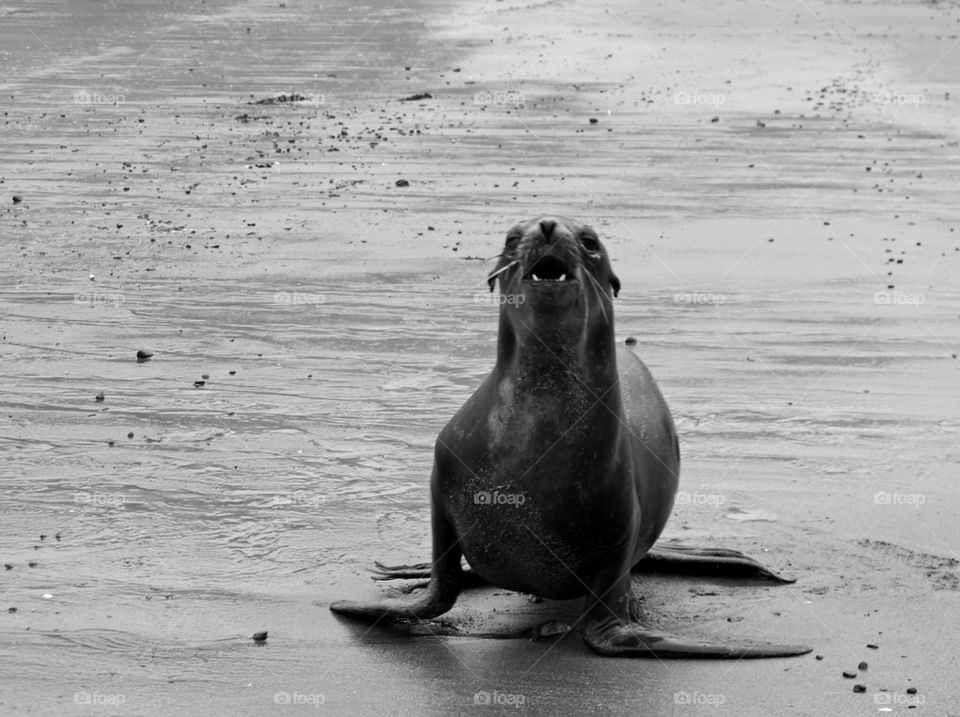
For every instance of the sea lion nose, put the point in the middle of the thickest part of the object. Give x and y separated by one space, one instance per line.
546 228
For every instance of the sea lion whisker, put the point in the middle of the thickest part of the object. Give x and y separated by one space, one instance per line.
600 295
502 269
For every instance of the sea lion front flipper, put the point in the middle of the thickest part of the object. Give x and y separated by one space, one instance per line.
614 638
610 628
446 579
711 562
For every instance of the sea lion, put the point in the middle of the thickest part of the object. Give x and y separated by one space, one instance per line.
558 475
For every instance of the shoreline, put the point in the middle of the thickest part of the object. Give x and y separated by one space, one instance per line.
751 259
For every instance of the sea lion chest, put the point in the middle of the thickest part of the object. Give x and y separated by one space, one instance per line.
542 489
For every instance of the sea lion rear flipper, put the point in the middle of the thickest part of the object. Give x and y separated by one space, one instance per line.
416 571
420 571
712 562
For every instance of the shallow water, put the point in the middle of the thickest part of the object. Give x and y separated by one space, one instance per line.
338 323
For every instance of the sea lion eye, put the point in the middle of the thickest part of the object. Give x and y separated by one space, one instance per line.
513 238
590 243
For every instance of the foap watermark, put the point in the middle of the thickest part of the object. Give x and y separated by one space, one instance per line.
85 96
892 97
299 698
499 299
298 298
711 99
700 699
499 699
487 97
699 298
899 699
883 497
302 497
696 498
99 298
897 298
98 699
83 497
485 497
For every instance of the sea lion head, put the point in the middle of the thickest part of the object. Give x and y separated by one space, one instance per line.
552 266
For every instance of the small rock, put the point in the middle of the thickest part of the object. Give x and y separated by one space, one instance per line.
11 610
418 96
199 384
873 647
8 566
17 199
910 690
402 183
631 341
819 657
143 355
859 688
594 120
862 666
130 434
260 636
849 675
205 376
99 397
33 563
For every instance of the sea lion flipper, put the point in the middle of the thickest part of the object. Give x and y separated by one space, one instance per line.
416 571
420 571
613 638
446 579
712 562
611 627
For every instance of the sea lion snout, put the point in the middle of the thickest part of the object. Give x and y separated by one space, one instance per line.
553 253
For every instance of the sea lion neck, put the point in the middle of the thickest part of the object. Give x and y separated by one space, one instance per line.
556 352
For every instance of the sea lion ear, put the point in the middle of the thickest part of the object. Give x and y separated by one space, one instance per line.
615 283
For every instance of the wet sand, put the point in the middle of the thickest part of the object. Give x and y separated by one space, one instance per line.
777 188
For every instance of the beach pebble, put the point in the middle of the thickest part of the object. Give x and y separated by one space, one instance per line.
17 199
143 355
631 341
99 397
199 384
594 120
911 690
862 666
11 610
819 657
849 675
859 688
402 183
260 636
873 647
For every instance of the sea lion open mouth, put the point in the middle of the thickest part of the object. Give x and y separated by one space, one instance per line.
550 268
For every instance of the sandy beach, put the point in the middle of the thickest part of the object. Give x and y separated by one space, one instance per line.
292 206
